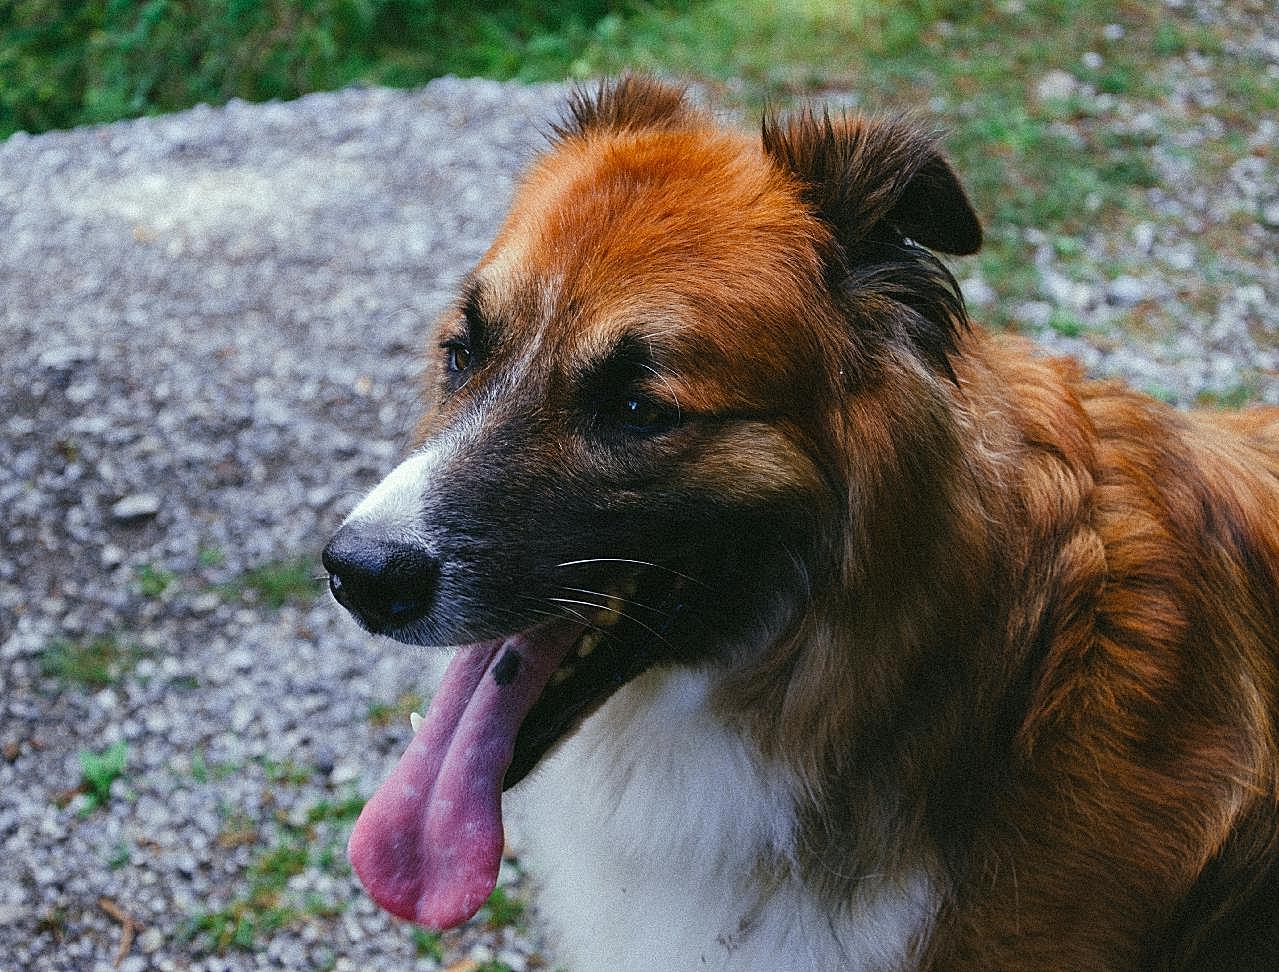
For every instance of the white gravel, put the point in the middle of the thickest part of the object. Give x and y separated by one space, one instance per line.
209 323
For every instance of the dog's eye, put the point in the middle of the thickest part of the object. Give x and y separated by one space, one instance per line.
638 413
457 356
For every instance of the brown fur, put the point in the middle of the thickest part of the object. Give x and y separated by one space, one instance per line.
1038 654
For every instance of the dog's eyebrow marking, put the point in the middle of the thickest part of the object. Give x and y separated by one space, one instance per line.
480 327
507 667
627 363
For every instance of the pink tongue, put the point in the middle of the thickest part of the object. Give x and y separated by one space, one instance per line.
429 842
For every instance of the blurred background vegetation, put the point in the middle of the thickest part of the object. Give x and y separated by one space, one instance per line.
1065 115
71 62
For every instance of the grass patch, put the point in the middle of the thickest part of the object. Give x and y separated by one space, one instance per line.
383 714
98 771
342 811
238 830
152 581
69 64
118 857
1066 324
285 850
1230 398
503 909
202 770
427 944
94 663
210 556
283 771
293 580
53 923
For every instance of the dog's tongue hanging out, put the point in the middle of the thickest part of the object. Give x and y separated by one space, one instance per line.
429 842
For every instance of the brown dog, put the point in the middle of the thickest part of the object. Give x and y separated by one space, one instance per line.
841 634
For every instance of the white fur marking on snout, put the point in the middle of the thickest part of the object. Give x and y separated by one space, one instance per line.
395 504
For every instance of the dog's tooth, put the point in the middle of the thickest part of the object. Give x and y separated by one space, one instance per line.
561 675
588 643
415 720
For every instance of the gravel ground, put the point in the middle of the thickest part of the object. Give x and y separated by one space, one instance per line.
209 323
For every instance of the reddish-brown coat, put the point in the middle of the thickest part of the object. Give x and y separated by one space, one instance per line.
1040 658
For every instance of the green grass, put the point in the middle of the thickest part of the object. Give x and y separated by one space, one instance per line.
295 580
1066 324
70 62
152 581
383 714
98 771
1230 398
202 770
1060 165
502 909
427 944
118 857
284 771
93 663
210 555
283 849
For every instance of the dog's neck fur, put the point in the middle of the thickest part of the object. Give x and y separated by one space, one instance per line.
873 699
663 839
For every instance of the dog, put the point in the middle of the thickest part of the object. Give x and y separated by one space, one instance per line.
803 623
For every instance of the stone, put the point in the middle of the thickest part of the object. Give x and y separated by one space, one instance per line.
1126 291
135 508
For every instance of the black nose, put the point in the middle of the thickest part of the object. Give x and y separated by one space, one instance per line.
384 583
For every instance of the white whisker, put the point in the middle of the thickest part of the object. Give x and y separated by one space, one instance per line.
620 614
638 563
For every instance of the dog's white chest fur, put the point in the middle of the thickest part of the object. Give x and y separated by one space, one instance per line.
647 830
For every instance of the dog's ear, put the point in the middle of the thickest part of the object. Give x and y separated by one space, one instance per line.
864 176
630 102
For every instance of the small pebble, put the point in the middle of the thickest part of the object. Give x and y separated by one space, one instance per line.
135 508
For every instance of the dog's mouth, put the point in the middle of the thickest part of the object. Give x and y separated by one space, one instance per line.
428 844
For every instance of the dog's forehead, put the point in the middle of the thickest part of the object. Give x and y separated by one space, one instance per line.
652 235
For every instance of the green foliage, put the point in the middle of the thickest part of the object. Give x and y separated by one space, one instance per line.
119 856
152 581
427 944
383 714
202 770
211 556
279 582
284 849
286 771
1232 398
94 663
99 770
69 62
502 909
1065 323
344 810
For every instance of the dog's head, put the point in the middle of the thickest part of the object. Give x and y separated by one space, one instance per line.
640 434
